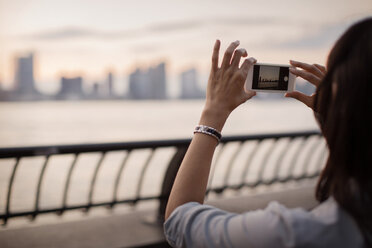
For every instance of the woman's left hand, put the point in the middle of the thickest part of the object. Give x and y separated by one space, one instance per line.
225 89
225 92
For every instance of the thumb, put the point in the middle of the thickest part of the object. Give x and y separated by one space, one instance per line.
248 95
307 100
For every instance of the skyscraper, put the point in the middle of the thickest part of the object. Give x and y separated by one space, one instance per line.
157 82
71 88
189 85
150 84
95 91
110 84
138 85
24 75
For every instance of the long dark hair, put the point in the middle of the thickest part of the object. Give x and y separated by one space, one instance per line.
344 107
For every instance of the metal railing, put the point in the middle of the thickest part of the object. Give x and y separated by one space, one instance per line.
240 161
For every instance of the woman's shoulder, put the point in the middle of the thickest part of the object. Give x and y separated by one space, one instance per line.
319 227
274 226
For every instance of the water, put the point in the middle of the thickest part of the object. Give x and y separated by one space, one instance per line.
44 123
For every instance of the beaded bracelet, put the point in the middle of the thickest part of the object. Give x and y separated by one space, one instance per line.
209 131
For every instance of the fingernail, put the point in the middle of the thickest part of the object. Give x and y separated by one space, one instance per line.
237 42
292 69
252 60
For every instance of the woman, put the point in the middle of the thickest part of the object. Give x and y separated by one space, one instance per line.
343 108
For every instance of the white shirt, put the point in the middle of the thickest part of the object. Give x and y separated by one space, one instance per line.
196 225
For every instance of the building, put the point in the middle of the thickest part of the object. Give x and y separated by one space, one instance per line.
148 84
189 85
110 84
24 76
138 85
95 91
3 95
71 88
157 82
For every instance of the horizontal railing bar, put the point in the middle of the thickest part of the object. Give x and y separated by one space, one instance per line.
268 136
76 207
14 152
86 148
219 190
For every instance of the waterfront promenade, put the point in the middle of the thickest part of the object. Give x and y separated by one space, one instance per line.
138 229
248 171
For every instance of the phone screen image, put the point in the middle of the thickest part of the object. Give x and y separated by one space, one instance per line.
267 77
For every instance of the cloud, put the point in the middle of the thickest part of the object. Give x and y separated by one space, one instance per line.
324 36
251 21
79 32
62 33
175 26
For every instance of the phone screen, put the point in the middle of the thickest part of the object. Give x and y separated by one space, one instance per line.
268 77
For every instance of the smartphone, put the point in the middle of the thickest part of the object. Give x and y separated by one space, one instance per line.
270 78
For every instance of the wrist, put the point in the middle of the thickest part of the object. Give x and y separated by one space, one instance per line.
214 117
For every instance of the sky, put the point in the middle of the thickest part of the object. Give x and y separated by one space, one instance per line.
91 37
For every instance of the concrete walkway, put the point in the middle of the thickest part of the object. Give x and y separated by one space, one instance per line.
130 230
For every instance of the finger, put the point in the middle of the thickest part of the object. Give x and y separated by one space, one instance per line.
247 64
310 77
321 68
238 54
310 68
248 95
216 51
239 76
307 100
242 73
228 54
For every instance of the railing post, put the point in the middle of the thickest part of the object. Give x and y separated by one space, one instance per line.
10 188
169 177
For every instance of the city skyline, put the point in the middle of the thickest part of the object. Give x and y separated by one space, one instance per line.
88 38
144 84
269 73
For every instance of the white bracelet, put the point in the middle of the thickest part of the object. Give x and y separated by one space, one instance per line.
209 131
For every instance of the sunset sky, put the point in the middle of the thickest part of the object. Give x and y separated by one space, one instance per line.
89 37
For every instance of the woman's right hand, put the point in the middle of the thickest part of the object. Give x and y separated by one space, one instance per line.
311 73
